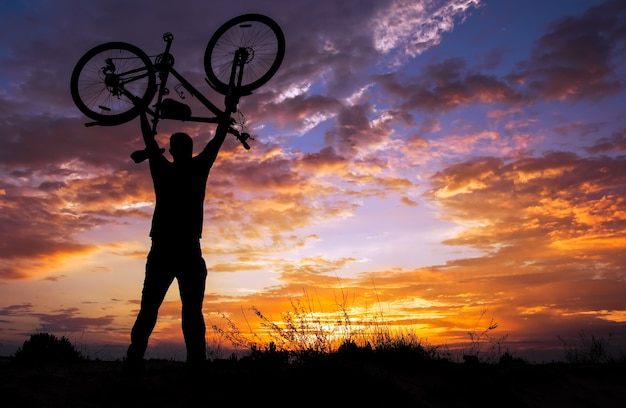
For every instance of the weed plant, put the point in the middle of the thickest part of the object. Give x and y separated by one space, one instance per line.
589 349
304 333
484 347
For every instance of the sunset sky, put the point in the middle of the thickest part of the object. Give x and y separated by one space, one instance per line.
420 163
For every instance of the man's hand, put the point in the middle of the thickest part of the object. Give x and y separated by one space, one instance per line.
152 147
140 155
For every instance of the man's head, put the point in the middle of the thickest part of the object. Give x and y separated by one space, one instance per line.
181 146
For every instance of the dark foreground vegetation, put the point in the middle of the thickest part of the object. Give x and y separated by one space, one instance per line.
49 372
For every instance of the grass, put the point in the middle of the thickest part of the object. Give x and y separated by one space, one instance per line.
306 357
303 333
589 349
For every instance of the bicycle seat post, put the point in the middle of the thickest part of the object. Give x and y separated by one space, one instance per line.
163 63
166 58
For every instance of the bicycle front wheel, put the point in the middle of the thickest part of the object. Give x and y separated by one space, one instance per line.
106 78
263 42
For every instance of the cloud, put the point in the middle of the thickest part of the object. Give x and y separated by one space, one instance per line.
577 57
445 86
16 309
538 220
67 320
614 143
301 112
413 27
557 196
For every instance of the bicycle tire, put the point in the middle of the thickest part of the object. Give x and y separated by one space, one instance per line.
257 33
99 101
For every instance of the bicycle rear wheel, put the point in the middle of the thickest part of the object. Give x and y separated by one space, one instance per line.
106 78
264 43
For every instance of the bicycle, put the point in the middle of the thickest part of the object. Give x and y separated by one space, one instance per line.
113 81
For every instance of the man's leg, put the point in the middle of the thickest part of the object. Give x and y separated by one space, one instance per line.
156 283
191 283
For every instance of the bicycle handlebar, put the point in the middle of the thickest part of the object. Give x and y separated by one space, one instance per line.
139 156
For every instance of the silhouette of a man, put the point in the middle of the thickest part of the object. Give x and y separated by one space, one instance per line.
179 188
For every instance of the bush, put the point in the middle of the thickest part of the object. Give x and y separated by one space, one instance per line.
588 350
47 348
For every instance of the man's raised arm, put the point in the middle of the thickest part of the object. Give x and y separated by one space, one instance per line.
212 148
152 147
148 134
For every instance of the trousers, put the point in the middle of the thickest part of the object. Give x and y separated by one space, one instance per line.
168 260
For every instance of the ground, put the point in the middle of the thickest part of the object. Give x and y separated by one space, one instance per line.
329 382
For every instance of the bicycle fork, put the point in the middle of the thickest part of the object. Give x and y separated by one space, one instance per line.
236 76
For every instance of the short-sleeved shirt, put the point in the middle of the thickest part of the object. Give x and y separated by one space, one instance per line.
179 189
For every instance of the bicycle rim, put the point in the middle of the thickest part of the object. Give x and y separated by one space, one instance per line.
262 38
92 79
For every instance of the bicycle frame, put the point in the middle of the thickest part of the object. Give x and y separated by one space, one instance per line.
163 66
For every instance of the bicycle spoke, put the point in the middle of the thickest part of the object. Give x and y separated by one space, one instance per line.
259 36
105 75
